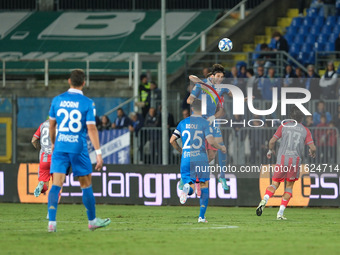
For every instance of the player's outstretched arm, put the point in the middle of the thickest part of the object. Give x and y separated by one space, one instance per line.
312 150
93 134
174 144
53 126
271 146
211 140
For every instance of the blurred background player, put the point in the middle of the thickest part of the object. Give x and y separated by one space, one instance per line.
294 136
194 130
74 114
41 140
213 111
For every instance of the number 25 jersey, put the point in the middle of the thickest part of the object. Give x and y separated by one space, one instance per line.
72 112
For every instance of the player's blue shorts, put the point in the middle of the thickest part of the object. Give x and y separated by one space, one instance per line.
190 170
81 164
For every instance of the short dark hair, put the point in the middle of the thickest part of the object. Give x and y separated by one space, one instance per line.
77 77
120 109
264 46
142 76
296 114
251 71
217 68
276 33
197 105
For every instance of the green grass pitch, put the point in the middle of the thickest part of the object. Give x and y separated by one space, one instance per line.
169 230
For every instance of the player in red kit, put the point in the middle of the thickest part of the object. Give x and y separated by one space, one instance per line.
294 136
41 139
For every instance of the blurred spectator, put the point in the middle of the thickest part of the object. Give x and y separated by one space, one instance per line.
301 6
269 83
136 122
185 113
289 74
329 8
205 72
321 138
265 60
154 96
242 73
185 105
299 81
250 80
309 121
336 118
105 123
258 84
331 143
321 111
281 42
337 46
312 82
171 120
328 82
152 118
98 122
122 121
143 92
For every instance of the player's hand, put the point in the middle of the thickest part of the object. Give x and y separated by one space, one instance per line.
312 154
211 119
269 153
99 164
223 149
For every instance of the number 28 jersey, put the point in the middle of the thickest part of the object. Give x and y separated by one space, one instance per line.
193 131
72 112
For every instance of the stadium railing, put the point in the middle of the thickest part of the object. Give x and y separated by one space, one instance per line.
322 57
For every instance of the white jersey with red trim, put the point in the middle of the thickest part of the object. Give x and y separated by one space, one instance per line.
43 134
293 140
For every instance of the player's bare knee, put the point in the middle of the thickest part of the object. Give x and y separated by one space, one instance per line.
85 181
58 179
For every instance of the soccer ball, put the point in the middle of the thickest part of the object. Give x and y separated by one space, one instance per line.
225 45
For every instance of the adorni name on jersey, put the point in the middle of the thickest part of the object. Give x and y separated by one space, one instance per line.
69 104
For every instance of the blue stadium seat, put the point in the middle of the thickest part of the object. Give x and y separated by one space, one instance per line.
321 12
336 30
294 49
310 38
315 30
308 21
332 37
338 71
272 43
296 22
319 21
311 58
292 30
312 12
329 46
322 38
299 38
307 47
257 48
338 21
330 21
289 38
304 30
303 57
319 46
327 29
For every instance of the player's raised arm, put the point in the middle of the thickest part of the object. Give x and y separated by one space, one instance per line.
93 134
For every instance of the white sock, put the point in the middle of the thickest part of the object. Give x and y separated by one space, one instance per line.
282 209
54 223
266 198
91 222
212 162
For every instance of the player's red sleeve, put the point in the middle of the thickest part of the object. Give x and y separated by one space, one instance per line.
37 133
309 138
278 132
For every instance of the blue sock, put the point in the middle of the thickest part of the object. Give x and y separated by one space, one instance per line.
53 198
191 191
204 201
222 161
89 202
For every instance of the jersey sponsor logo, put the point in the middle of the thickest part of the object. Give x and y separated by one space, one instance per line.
69 104
68 138
188 154
191 126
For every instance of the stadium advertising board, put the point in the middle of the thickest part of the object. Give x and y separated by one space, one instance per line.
142 185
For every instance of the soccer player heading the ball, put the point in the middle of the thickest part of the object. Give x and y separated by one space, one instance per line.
294 136
74 114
